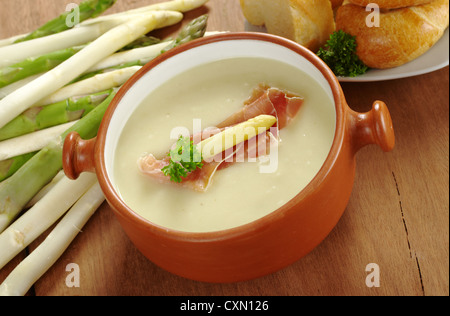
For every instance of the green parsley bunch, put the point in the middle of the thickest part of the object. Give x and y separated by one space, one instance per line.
339 53
184 158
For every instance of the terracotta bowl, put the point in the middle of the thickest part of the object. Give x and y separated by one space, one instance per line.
273 241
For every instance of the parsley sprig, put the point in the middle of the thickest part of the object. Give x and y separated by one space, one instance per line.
184 158
339 53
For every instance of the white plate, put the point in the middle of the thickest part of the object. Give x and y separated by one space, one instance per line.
436 58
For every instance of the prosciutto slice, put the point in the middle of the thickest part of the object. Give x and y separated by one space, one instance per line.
264 100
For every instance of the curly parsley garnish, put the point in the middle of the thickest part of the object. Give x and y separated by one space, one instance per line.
184 158
339 53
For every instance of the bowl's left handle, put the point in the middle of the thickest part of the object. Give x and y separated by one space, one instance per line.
78 155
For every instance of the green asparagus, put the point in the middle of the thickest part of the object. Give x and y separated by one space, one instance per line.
40 117
37 65
111 41
87 9
9 166
195 29
142 41
17 190
33 66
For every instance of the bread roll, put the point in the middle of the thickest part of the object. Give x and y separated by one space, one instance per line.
308 22
336 3
390 4
403 35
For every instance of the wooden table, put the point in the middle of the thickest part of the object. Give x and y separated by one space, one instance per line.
397 218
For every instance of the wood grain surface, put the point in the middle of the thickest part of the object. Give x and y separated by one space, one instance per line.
397 217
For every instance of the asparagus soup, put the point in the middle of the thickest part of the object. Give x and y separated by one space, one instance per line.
203 97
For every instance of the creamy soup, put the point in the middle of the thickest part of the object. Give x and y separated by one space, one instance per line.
240 193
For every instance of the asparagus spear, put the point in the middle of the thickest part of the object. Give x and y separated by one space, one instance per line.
87 9
46 189
15 53
9 166
22 99
41 117
20 280
128 56
17 190
193 30
42 215
37 65
133 55
31 142
32 66
173 5
16 85
96 84
10 40
142 41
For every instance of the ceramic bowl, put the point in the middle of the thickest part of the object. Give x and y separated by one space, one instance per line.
273 241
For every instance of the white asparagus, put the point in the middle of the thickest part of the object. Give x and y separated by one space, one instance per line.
104 46
174 5
101 82
142 53
10 40
18 52
41 216
45 190
20 280
15 53
232 136
31 142
16 85
98 83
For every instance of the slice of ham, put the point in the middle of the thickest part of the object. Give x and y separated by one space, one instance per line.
271 101
264 100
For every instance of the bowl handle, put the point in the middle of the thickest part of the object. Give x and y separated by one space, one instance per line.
78 155
373 127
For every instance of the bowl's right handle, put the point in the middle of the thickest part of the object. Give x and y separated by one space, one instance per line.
373 127
78 155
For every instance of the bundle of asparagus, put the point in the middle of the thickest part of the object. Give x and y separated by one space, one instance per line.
71 80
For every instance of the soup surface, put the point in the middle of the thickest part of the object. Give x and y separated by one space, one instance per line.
240 193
